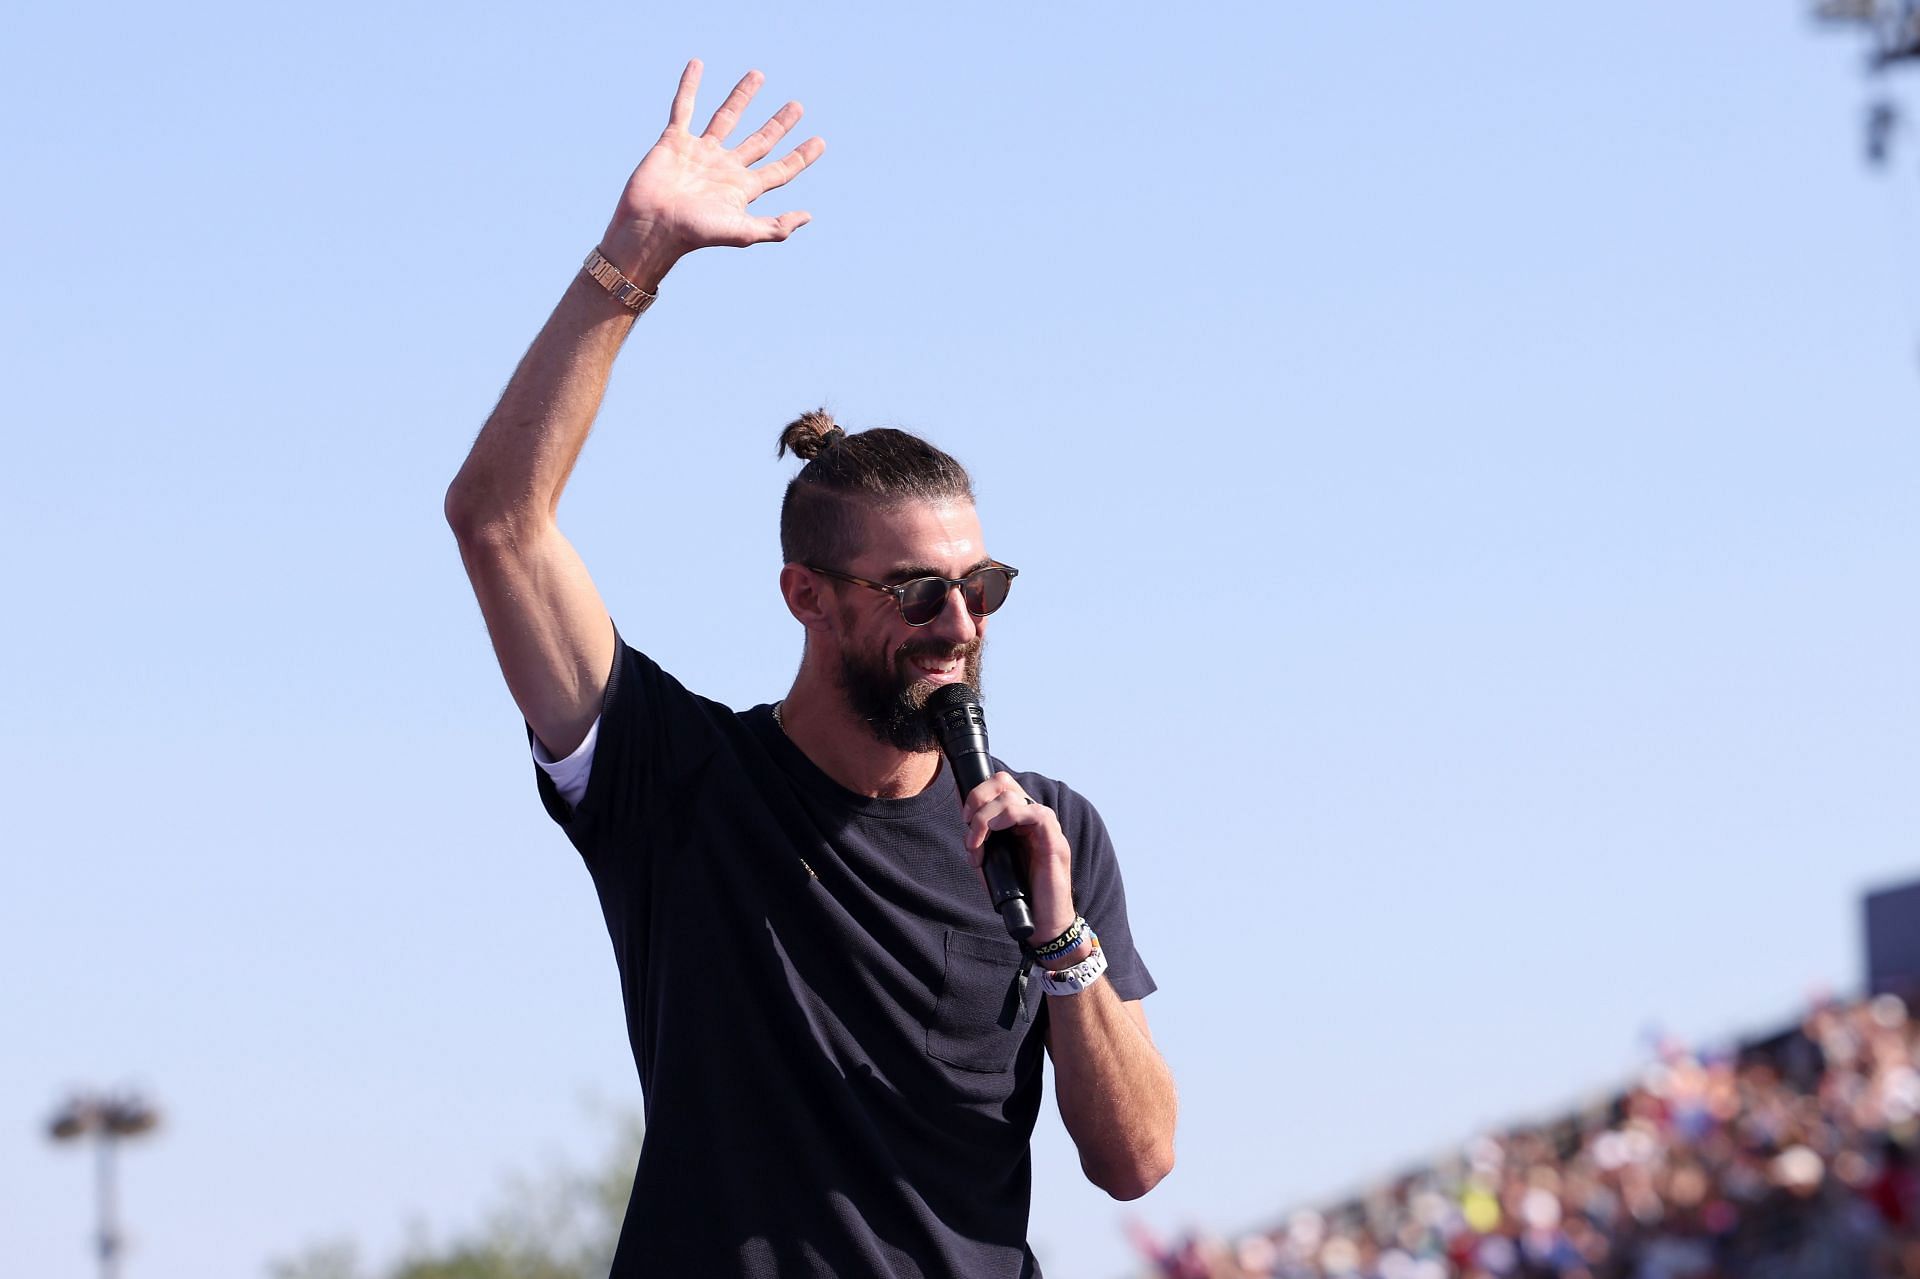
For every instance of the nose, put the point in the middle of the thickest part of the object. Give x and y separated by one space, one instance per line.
954 624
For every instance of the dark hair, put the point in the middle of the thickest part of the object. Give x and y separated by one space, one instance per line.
848 475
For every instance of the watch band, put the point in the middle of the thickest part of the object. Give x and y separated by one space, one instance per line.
608 277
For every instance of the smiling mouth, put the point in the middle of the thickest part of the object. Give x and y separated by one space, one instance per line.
935 668
940 668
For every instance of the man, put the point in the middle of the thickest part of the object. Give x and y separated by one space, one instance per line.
838 1043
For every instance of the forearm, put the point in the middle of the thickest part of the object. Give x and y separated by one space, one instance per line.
1115 1093
521 460
689 192
549 625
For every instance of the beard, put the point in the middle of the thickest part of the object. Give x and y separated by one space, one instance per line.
890 697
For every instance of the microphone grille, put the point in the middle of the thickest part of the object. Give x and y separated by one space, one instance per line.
952 697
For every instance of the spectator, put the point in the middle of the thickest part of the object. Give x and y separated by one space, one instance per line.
1792 1159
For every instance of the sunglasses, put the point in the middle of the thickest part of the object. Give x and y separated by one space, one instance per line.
922 599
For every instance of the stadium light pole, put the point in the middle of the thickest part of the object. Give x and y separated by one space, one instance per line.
1893 28
105 1120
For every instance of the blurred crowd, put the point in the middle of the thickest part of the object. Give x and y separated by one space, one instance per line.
1797 1157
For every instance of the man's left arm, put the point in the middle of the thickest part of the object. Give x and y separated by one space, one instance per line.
1115 1093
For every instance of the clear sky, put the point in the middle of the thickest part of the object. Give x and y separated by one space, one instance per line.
1461 462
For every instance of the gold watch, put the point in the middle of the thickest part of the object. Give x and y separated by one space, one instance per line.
608 277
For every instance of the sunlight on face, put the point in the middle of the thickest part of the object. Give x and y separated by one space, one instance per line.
920 538
888 669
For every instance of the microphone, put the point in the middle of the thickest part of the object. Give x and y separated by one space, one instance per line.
960 724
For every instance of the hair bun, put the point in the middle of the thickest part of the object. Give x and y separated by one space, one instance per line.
810 435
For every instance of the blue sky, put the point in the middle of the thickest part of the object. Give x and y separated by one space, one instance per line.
1481 447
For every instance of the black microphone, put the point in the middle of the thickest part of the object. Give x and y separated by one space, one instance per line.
961 726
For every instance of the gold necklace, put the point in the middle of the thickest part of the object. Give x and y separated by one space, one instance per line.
781 724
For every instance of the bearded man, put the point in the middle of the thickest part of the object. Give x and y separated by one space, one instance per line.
839 1047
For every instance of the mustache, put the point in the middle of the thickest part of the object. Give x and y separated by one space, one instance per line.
934 649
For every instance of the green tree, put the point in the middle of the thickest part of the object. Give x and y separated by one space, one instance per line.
562 1224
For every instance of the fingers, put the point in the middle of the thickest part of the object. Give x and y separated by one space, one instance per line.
790 165
729 113
757 144
765 230
999 804
680 116
787 223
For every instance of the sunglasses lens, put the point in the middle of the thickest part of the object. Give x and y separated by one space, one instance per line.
922 600
986 590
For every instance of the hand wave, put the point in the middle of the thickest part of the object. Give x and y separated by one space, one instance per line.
691 191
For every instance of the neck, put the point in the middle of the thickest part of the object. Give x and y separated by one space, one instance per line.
818 721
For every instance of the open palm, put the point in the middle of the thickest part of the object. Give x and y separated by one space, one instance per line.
692 191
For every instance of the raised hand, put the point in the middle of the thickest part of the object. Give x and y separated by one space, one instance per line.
691 191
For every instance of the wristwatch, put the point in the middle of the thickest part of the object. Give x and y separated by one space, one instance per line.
608 277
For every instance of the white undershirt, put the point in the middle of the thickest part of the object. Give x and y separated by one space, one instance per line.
569 775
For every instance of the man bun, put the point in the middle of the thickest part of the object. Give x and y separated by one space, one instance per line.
823 516
810 435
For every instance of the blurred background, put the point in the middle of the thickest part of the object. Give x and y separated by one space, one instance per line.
1479 442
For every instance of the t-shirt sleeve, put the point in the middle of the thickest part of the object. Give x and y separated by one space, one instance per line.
650 730
570 774
1098 891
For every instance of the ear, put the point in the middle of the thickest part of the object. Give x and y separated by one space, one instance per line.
804 592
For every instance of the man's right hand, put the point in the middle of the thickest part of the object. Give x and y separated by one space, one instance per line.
691 191
550 629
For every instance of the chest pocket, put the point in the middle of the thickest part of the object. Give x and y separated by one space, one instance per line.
980 1019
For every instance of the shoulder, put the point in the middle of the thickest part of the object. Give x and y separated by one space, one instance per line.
1050 791
653 726
643 684
1077 814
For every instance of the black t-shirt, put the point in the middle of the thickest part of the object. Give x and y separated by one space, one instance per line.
840 1076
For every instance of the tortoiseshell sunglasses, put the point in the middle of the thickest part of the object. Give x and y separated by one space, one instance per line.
983 590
